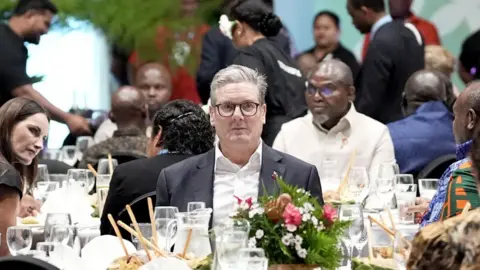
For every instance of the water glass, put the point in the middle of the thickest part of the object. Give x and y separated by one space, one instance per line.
43 189
357 183
252 259
52 253
63 234
42 173
54 219
103 167
388 170
103 184
61 179
404 179
163 216
19 240
146 230
384 190
78 178
405 195
69 155
428 188
51 154
228 245
192 206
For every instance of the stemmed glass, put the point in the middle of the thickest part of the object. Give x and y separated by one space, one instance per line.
78 178
164 215
54 219
19 240
385 191
230 237
42 173
354 214
103 167
358 183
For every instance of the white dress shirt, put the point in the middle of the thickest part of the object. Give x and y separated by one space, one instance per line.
325 149
231 180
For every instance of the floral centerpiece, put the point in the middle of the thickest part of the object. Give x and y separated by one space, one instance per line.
293 228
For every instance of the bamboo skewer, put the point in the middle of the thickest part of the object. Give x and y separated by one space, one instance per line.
148 243
152 221
187 243
369 243
110 164
137 228
385 228
391 218
466 208
117 232
344 182
90 167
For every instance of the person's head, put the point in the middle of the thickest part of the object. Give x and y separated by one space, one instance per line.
326 29
238 107
23 129
467 113
253 19
330 91
181 126
33 18
128 107
399 8
155 82
469 60
423 86
189 7
307 63
439 59
365 13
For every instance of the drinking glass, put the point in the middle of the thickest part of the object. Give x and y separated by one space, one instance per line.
163 216
354 214
77 178
388 170
404 179
405 195
228 245
192 206
51 154
329 175
53 219
63 234
428 188
103 167
146 230
385 191
61 179
69 155
19 240
252 259
401 249
357 183
43 189
42 173
103 184
52 252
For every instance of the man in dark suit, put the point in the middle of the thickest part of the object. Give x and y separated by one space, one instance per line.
241 165
395 52
180 130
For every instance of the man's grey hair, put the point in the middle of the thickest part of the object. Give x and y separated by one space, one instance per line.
238 74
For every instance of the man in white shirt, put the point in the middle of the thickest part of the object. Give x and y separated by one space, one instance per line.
332 130
240 165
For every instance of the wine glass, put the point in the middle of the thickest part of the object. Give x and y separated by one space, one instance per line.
228 245
63 234
401 249
53 219
103 167
404 179
354 214
19 240
44 189
59 178
78 178
385 190
164 215
252 259
357 183
192 206
42 173
51 154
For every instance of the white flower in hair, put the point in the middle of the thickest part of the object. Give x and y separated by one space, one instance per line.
226 26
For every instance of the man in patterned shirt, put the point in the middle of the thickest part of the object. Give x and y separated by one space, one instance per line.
465 125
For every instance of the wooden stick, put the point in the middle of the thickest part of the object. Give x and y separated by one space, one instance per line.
466 208
134 233
110 164
187 243
344 182
117 232
152 221
137 228
391 218
90 167
385 228
369 243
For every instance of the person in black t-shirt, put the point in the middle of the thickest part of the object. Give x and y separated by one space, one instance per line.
469 64
30 20
23 128
254 25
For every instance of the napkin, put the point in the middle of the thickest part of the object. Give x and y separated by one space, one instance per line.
103 250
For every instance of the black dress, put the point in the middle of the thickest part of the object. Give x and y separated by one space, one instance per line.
10 177
285 97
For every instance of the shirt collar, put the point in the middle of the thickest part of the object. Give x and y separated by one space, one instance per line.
131 131
463 149
384 20
344 123
256 156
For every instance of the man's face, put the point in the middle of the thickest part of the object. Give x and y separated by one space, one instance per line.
399 8
39 24
156 86
239 128
325 31
327 98
359 18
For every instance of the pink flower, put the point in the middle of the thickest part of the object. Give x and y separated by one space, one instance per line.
329 213
249 202
291 215
274 175
239 201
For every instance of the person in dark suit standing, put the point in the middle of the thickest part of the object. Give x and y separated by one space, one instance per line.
395 52
241 165
180 130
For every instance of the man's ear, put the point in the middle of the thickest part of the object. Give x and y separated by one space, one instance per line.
472 119
111 116
211 110
158 136
351 93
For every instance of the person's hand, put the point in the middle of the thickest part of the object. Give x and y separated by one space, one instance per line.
29 206
421 206
78 125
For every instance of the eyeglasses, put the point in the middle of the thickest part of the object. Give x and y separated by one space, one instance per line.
325 90
228 109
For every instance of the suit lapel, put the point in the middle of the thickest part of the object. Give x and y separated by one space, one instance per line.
271 162
203 180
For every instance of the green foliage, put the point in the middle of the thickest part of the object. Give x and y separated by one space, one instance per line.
319 234
132 25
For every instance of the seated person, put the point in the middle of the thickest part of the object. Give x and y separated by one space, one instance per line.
439 59
427 119
154 81
333 129
307 63
465 125
180 130
241 164
129 113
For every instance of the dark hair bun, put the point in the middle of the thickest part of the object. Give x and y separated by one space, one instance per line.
270 25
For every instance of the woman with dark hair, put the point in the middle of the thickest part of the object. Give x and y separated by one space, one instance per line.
23 128
180 130
252 27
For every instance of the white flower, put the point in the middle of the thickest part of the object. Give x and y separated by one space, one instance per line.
298 247
286 240
308 207
306 217
301 210
255 211
300 190
291 228
298 240
320 227
314 221
252 242
226 25
302 253
259 234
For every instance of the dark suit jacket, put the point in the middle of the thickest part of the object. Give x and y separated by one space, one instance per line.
132 180
393 55
192 179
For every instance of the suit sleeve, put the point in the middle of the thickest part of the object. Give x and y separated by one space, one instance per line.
115 201
162 190
209 65
314 185
373 84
